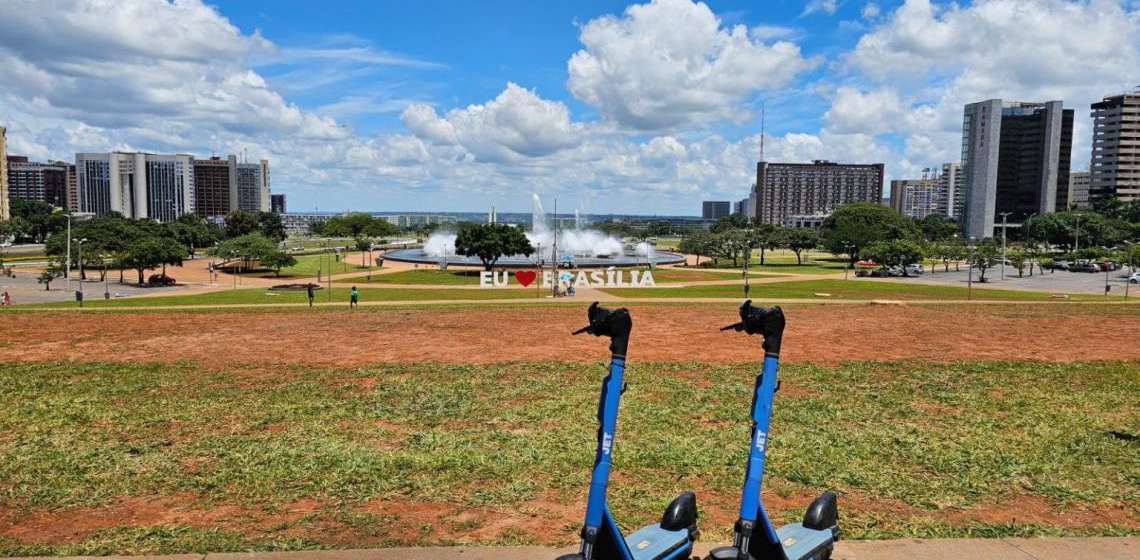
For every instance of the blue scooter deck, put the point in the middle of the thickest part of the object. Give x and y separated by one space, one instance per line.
654 543
799 542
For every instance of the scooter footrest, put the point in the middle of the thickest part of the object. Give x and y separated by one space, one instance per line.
724 553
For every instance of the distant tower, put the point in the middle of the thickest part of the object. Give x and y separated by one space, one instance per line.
492 216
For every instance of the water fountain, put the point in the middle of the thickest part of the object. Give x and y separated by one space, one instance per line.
584 248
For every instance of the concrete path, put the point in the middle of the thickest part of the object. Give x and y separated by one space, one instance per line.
1117 548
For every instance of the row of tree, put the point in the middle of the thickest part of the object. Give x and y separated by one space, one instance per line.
353 225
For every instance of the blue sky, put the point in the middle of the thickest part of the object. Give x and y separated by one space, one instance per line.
637 107
480 46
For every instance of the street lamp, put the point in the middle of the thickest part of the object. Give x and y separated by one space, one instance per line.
1026 224
1003 217
1131 268
1077 233
970 269
80 242
847 269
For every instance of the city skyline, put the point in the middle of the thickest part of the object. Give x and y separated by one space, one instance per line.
367 109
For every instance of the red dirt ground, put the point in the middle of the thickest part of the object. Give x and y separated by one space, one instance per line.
818 333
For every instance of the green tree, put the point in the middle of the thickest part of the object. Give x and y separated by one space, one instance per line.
152 252
616 229
239 223
1017 259
249 247
659 228
936 227
896 253
852 227
270 225
278 260
797 240
1068 228
984 256
698 243
192 231
317 227
764 237
364 244
53 271
37 219
491 241
729 222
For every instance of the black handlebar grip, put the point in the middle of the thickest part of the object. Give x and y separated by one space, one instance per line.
766 321
614 323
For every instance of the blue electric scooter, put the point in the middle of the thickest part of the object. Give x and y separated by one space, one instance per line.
755 538
672 538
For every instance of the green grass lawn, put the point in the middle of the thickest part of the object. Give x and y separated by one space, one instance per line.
307 266
471 276
914 449
340 294
844 289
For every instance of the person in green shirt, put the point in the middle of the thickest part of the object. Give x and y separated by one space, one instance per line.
354 298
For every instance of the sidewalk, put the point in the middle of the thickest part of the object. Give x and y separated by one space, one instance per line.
1116 548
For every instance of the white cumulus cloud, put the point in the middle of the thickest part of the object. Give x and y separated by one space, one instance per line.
671 64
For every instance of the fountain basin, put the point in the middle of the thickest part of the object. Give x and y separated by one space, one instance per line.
626 259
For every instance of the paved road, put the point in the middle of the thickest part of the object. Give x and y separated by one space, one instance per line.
1119 548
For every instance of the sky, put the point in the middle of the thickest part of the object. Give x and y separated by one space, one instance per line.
610 107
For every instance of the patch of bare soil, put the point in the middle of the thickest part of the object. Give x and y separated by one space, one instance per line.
825 334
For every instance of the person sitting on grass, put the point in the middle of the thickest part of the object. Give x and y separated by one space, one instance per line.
354 298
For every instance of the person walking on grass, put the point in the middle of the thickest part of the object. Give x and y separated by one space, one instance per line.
309 290
354 298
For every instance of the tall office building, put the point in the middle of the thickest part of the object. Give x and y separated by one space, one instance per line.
715 209
1079 183
935 193
5 211
918 198
137 185
72 185
817 188
45 182
215 186
951 182
1115 165
1015 157
277 203
253 186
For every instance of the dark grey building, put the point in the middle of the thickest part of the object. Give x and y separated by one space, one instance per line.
715 209
46 182
806 189
1015 160
277 203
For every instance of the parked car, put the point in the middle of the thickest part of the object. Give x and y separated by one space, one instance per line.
161 280
1135 278
915 269
1084 267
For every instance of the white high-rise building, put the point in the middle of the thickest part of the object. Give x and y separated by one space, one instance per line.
135 184
253 186
1079 184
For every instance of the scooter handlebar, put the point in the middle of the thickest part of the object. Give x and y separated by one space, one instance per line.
614 323
766 321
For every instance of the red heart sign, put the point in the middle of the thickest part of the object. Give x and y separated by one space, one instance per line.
525 277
